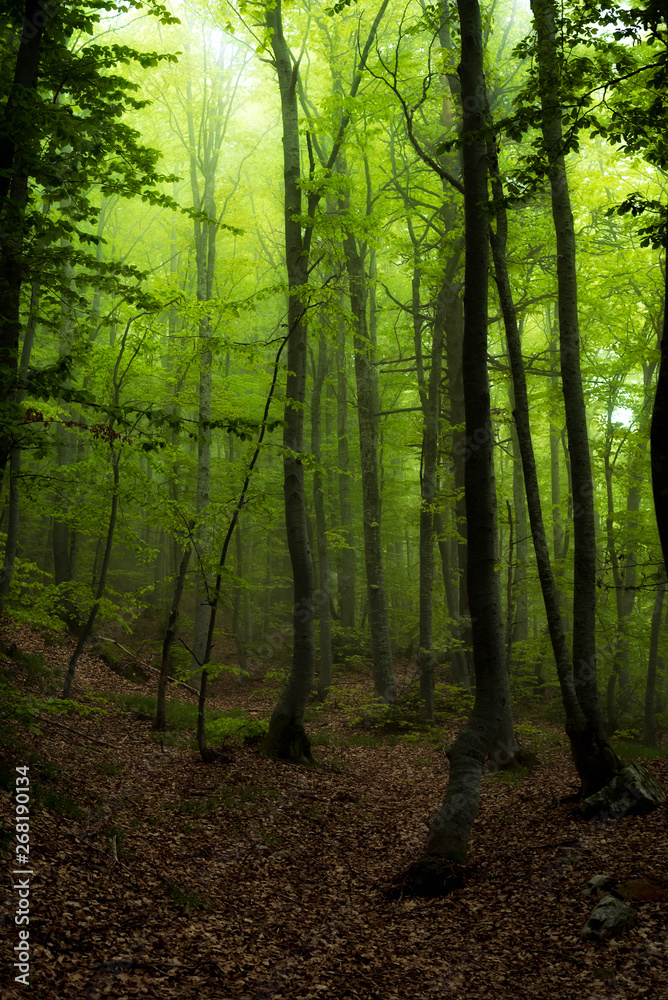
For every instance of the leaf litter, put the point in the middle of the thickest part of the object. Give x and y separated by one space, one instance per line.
250 878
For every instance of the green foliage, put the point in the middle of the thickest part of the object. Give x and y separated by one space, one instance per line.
108 769
58 801
221 726
184 900
16 706
631 750
231 727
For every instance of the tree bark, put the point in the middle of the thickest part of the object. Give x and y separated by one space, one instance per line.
597 763
659 432
383 671
430 401
287 737
451 830
325 674
346 556
170 635
18 139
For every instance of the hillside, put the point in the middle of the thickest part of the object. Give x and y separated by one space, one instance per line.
155 875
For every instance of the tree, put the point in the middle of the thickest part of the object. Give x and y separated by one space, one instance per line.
451 829
595 760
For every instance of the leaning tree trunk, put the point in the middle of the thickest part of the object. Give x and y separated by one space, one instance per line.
451 830
287 737
596 762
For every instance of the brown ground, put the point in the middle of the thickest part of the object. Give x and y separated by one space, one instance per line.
255 879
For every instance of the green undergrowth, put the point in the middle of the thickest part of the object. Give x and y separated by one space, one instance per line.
180 715
184 900
45 779
636 751
221 726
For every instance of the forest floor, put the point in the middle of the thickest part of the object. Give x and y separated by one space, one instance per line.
155 875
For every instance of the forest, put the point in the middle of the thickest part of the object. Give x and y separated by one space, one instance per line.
333 498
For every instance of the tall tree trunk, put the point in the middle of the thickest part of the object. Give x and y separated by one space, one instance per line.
454 352
325 675
430 402
18 138
367 409
598 763
15 461
659 432
498 237
287 737
520 595
205 252
451 830
346 556
65 540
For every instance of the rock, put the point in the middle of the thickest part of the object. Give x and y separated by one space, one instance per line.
633 791
609 917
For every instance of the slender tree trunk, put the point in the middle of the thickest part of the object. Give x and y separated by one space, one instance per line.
287 737
65 540
238 630
205 251
520 595
454 352
170 635
346 558
598 763
383 678
87 628
325 674
451 830
430 402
